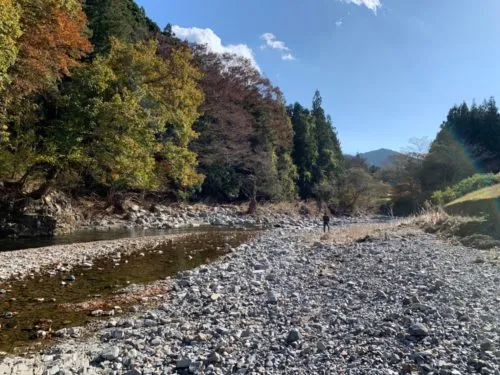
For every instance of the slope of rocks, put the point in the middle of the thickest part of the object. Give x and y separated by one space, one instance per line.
287 305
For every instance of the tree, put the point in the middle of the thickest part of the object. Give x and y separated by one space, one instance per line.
316 152
126 118
468 141
305 148
329 152
446 163
123 120
53 41
244 132
10 31
357 191
120 19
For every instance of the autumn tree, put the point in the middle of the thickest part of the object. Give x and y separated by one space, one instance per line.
245 136
126 118
53 41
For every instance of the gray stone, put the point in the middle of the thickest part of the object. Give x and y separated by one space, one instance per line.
183 363
156 341
418 330
293 335
486 345
111 353
214 358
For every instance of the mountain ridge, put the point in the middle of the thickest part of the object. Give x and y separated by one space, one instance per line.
380 157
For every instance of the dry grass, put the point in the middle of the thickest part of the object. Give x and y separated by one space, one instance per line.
438 221
357 233
432 221
290 208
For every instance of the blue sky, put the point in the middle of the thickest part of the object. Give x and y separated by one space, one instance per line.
388 70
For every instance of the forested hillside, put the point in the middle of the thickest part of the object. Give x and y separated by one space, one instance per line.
467 143
97 99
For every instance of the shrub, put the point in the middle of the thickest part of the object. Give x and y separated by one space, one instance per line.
475 182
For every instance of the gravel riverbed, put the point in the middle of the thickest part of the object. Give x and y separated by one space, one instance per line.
286 304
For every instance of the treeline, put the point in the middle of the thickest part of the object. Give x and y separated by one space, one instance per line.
467 143
96 98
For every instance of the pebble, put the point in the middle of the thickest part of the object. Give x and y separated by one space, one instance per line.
418 330
399 305
293 335
110 354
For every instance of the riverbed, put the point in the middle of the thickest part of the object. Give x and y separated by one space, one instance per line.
290 302
60 296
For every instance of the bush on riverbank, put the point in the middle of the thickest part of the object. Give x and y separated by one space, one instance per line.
473 183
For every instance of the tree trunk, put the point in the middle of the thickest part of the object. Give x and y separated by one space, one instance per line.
252 206
45 188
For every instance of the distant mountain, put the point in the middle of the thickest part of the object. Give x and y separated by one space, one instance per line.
379 158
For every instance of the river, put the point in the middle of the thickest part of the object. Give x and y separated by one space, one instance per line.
49 298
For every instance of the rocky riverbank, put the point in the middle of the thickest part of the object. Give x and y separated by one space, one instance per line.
24 262
56 214
291 304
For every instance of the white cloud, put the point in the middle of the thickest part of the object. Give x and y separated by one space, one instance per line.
213 42
339 23
373 5
273 43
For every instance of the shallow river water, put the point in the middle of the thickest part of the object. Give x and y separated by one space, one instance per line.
22 307
9 244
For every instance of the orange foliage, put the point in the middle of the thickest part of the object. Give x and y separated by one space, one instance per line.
53 42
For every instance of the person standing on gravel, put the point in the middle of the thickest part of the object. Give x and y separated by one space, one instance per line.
326 222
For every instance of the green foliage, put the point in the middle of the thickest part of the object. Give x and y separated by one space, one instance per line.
122 118
287 175
52 42
119 19
316 152
469 140
114 114
466 186
222 182
328 146
10 31
305 150
446 163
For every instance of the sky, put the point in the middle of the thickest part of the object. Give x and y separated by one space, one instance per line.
388 70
